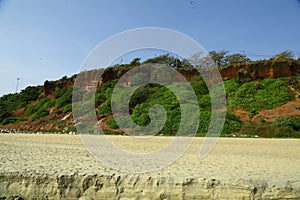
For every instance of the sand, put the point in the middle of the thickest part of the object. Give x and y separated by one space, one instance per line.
52 166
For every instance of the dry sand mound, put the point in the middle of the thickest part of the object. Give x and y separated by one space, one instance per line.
59 167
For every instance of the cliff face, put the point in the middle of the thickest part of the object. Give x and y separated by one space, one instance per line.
254 70
261 70
51 86
90 187
89 80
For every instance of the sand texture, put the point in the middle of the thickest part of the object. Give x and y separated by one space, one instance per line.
60 167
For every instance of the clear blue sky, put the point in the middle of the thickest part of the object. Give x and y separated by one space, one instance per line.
47 39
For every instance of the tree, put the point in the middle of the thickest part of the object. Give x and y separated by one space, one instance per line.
196 59
185 64
166 59
285 55
135 62
218 57
236 59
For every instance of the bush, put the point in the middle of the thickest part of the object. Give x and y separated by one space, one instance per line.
49 104
200 87
253 112
99 99
64 99
231 86
140 95
232 124
105 109
204 121
112 124
68 108
10 120
41 105
267 94
292 122
205 102
267 130
41 113
30 110
59 92
71 129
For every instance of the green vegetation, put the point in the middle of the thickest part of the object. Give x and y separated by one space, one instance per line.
149 95
252 96
11 102
255 96
63 97
112 124
292 122
10 120
68 108
268 130
41 105
39 114
285 55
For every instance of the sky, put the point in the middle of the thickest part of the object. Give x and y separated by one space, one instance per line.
46 40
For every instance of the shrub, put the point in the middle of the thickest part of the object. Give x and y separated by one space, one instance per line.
105 109
267 94
10 120
292 122
267 130
39 114
232 124
71 129
60 92
64 99
262 120
204 121
49 104
253 112
140 95
99 99
41 105
68 108
199 87
205 102
30 110
112 124
231 85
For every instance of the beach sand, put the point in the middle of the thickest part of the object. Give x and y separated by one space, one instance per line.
53 166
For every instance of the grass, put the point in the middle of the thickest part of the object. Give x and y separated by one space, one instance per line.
255 96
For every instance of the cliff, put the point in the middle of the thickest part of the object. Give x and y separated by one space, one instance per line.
54 104
254 71
261 70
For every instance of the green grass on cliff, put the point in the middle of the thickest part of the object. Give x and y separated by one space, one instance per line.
258 95
147 96
251 96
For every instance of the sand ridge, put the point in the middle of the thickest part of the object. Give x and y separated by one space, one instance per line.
273 162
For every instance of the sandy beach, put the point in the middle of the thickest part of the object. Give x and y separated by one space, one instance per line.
236 168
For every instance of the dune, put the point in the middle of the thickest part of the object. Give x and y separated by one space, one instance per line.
52 166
